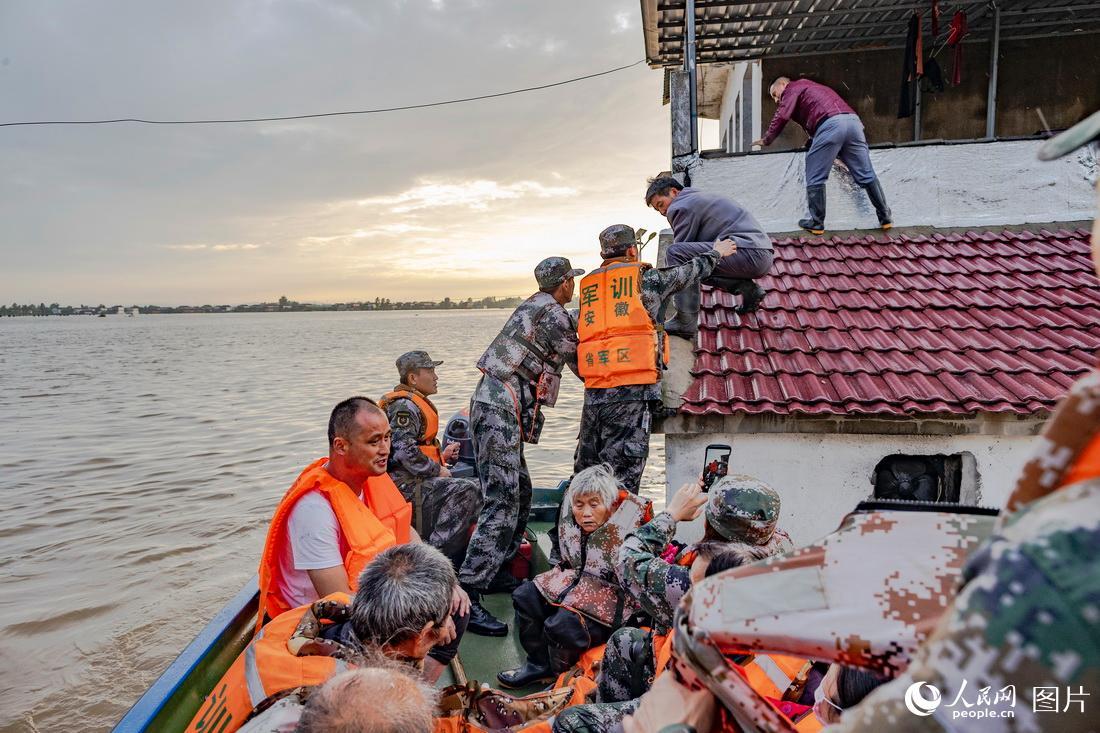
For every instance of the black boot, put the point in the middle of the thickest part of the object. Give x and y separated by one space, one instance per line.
878 200
815 199
562 659
751 293
686 321
537 667
482 622
504 581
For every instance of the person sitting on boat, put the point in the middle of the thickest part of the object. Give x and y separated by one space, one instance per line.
375 700
741 515
341 511
402 612
444 506
576 605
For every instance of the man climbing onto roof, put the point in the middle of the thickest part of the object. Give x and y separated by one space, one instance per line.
699 220
444 507
836 132
622 351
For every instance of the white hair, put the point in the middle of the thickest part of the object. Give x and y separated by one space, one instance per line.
403 588
373 700
596 480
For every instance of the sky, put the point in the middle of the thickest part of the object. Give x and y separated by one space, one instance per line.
458 201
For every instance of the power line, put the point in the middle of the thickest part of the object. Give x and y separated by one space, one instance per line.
324 114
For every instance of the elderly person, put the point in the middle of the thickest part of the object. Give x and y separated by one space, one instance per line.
350 703
576 605
402 611
835 131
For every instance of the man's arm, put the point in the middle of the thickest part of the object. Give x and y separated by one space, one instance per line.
405 421
329 580
671 280
782 116
656 584
562 337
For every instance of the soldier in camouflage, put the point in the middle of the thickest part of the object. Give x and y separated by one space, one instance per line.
521 371
741 517
615 422
444 507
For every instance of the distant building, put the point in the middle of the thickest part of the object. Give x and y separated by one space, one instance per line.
920 363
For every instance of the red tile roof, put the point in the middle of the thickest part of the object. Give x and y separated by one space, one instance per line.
905 325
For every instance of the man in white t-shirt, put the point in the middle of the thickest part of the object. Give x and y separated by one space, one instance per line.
310 548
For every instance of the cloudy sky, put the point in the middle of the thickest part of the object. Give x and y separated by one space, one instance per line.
454 201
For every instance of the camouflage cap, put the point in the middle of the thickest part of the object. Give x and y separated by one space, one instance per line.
1064 143
411 360
553 271
616 240
743 509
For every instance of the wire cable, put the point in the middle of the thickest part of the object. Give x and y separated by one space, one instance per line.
325 114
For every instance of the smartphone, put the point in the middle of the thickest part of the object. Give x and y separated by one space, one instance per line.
716 464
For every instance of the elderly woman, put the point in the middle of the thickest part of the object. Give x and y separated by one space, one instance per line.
574 607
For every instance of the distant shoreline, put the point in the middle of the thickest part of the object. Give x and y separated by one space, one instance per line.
284 306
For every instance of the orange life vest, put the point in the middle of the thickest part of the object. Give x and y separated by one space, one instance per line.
619 343
381 519
1087 465
264 668
427 441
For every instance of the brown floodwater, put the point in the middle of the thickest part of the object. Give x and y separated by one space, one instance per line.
141 458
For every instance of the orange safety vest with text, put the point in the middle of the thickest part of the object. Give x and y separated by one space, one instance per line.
619 343
381 519
427 441
264 668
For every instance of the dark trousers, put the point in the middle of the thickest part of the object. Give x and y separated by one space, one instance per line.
615 433
544 627
744 264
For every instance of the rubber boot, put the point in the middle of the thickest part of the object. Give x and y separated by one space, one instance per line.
482 622
537 667
815 199
685 323
751 293
562 659
878 200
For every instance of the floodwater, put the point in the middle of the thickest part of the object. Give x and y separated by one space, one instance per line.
142 457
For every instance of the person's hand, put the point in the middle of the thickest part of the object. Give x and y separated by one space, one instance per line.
687 502
725 247
460 602
447 633
759 143
450 453
444 472
667 703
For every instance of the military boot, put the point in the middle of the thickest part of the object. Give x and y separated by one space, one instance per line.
685 323
536 669
815 199
751 293
482 622
878 200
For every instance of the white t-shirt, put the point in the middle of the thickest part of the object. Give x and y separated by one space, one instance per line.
314 542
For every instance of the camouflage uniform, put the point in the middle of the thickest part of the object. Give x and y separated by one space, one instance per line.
742 510
1028 614
444 507
616 421
539 338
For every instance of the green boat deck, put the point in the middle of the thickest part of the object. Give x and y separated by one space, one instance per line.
482 657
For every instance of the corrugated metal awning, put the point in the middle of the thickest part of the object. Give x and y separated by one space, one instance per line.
738 30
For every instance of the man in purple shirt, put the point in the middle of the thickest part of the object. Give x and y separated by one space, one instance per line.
836 132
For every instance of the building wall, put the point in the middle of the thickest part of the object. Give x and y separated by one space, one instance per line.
820 478
1055 75
971 184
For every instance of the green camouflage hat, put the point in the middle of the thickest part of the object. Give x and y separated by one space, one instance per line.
553 271
411 360
616 240
743 509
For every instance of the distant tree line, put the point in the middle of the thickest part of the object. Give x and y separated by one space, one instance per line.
284 304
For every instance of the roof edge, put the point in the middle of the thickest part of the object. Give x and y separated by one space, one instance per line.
985 424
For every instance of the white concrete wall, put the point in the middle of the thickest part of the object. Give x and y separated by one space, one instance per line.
973 184
821 477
